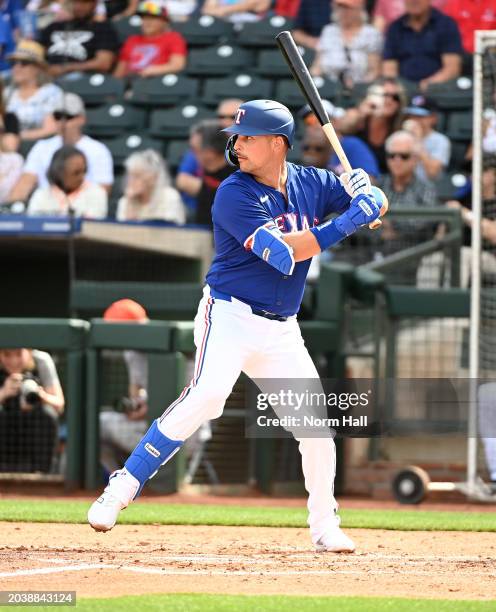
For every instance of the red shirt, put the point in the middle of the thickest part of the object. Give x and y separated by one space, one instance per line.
141 51
471 15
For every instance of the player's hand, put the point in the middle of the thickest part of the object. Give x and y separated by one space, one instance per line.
356 182
363 210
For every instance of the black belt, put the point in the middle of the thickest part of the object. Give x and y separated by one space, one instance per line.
272 316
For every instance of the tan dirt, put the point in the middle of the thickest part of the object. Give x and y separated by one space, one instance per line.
139 559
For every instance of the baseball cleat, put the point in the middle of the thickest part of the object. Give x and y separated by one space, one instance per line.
335 540
104 511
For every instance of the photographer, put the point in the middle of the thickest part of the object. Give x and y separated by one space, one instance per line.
31 400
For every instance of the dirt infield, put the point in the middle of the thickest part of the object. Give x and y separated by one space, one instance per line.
134 559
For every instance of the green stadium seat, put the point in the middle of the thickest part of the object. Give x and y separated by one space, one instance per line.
288 92
175 151
263 33
220 60
127 26
454 95
122 146
459 126
167 90
176 122
113 120
458 152
204 30
448 184
271 62
95 89
244 86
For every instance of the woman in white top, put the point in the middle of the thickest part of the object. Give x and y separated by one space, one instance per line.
349 49
68 191
148 194
30 97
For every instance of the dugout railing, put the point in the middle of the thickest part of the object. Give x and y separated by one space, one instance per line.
65 340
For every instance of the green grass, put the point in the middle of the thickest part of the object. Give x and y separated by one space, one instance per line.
275 603
195 514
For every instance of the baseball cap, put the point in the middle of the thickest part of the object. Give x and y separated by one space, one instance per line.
421 106
125 310
153 8
71 104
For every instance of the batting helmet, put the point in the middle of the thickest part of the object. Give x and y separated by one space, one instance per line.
258 118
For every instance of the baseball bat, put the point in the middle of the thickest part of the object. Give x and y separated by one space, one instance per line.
305 82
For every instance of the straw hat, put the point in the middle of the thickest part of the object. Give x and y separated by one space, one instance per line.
29 51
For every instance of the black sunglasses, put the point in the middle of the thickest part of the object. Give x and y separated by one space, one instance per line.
403 156
23 63
60 115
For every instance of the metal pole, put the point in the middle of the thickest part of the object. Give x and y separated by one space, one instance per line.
475 266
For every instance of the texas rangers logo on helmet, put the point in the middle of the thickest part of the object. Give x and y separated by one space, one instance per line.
239 114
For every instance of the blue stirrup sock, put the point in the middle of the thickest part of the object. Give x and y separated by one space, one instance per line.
152 451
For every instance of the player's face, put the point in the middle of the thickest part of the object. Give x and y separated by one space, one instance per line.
255 152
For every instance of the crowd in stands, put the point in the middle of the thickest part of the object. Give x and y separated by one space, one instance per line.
386 56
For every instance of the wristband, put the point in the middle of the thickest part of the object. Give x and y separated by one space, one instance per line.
327 234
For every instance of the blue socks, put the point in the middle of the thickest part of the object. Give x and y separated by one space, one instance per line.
152 451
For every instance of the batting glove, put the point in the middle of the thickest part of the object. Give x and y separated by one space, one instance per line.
356 182
363 210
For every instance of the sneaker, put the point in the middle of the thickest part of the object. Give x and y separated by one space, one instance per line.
104 511
335 540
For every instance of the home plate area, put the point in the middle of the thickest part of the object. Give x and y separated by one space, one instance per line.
138 559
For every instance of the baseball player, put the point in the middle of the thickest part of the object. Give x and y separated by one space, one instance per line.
268 220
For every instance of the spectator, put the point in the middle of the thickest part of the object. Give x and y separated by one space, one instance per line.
148 194
180 10
316 145
121 430
31 100
68 191
423 46
312 16
287 8
471 15
237 11
80 44
47 11
189 169
377 116
9 127
115 9
7 42
31 400
70 118
10 171
434 148
214 167
387 11
158 50
350 49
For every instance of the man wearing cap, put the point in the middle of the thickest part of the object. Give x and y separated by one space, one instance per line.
80 44
70 119
158 50
268 220
435 148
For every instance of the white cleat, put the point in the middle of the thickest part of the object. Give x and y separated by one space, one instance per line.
104 511
335 540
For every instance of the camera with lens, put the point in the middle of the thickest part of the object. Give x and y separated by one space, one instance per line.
29 391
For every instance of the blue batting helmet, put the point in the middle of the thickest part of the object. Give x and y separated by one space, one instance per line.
258 118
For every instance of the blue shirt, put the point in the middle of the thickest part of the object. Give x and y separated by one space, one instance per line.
7 43
359 154
419 53
312 16
189 164
241 205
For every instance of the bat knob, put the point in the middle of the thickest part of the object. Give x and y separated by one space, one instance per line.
380 198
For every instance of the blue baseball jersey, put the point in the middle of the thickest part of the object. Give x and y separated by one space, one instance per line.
241 205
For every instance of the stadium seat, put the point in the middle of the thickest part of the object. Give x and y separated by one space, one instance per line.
122 146
204 30
458 152
263 33
95 89
288 92
176 122
127 26
175 151
459 126
454 95
271 62
166 90
113 120
244 86
448 184
220 60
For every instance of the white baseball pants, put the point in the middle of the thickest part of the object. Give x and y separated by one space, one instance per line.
230 339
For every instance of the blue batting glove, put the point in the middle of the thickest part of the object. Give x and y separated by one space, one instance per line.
362 211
